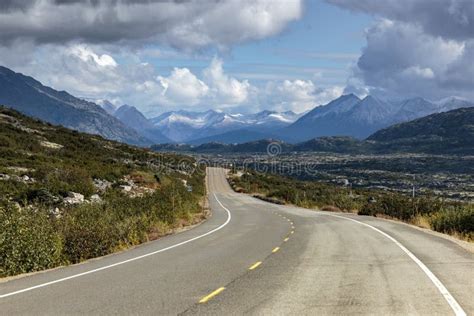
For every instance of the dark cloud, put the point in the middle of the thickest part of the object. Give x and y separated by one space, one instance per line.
452 19
418 47
182 24
13 5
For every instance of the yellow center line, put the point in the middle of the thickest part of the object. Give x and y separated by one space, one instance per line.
255 265
275 249
208 297
286 239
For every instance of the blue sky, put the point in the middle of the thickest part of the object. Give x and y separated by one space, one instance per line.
320 46
242 55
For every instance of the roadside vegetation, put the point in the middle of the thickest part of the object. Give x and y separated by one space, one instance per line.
454 218
66 196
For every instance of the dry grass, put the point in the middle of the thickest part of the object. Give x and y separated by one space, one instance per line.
421 221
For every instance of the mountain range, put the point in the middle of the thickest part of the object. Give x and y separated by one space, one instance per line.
347 115
200 127
30 97
449 132
350 116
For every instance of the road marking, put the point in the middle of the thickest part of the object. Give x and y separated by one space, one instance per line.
208 297
292 232
275 249
286 239
229 216
255 265
457 309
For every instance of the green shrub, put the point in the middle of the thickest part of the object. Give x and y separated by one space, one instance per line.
28 241
455 220
89 232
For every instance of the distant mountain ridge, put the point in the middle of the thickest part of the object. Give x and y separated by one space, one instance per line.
350 116
133 118
186 126
30 97
449 132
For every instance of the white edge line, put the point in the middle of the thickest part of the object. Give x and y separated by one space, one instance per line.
125 261
441 288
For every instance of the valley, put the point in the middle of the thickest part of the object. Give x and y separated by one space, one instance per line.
447 176
226 157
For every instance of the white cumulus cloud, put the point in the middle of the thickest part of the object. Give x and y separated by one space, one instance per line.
225 90
298 95
182 87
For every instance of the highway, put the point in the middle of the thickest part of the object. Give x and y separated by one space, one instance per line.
252 257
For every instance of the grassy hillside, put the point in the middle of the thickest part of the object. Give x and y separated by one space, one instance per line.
442 133
66 196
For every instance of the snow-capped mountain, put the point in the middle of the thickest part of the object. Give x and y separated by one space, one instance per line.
350 116
452 103
183 126
108 106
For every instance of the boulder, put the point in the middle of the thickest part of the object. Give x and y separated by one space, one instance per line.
126 188
102 185
74 198
95 198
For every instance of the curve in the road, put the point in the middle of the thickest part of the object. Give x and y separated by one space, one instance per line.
457 309
326 265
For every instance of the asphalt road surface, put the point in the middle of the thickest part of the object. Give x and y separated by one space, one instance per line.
258 258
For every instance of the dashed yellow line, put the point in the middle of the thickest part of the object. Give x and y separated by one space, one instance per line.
208 297
255 265
275 249
286 239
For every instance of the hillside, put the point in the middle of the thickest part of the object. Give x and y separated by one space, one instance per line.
232 137
448 132
342 144
69 196
30 97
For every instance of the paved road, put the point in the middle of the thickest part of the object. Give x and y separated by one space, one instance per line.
302 262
